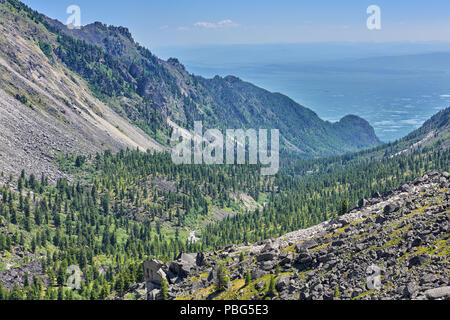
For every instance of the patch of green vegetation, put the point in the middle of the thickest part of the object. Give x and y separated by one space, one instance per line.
199 277
46 49
364 294
263 198
439 248
337 293
323 246
392 242
2 266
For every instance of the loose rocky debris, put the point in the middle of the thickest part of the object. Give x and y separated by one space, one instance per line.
16 276
394 246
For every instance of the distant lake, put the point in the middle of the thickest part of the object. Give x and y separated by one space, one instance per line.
396 94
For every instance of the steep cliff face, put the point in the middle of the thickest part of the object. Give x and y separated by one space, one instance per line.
394 246
46 109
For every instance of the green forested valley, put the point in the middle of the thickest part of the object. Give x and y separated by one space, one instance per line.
123 208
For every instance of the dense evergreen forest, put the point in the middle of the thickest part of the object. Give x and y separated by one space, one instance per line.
127 207
319 195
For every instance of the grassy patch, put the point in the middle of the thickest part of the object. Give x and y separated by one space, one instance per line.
364 294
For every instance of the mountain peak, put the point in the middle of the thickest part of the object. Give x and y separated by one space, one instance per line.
353 118
353 125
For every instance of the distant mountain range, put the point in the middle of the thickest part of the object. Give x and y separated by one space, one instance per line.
109 92
396 87
220 102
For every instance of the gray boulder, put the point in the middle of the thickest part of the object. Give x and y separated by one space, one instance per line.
391 207
380 219
267 256
282 284
189 258
267 265
438 293
257 274
410 290
418 260
305 245
153 295
212 277
337 243
181 268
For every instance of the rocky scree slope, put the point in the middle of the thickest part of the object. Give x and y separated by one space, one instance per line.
404 232
46 109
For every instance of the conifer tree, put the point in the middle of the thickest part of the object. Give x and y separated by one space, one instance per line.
248 278
222 278
163 295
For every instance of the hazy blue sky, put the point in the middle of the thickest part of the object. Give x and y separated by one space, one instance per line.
157 23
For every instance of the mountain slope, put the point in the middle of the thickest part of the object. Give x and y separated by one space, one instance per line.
149 90
128 207
404 233
311 191
46 109
434 135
